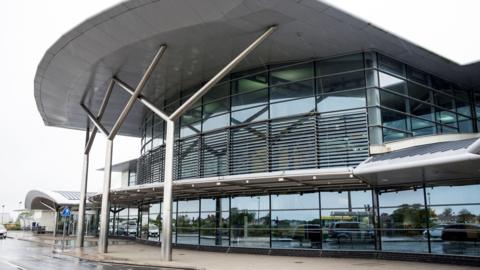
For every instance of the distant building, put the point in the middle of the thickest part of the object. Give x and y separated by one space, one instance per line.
46 207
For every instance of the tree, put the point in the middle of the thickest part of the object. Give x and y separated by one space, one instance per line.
23 217
447 212
465 216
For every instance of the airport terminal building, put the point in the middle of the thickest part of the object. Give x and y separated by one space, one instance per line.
331 134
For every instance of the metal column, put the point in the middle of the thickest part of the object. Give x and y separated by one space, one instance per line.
166 248
377 223
104 214
83 197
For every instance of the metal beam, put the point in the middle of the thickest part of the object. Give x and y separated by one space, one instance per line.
142 99
100 113
95 120
123 115
229 67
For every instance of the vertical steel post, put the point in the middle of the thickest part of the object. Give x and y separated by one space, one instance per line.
166 247
377 223
105 210
55 223
83 197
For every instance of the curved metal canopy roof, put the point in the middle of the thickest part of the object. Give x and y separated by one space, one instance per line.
202 36
45 199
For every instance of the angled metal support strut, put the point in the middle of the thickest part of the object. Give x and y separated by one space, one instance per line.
166 236
86 156
105 210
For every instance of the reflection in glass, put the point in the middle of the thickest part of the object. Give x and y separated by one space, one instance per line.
344 100
292 107
393 101
392 83
340 82
390 65
291 73
340 64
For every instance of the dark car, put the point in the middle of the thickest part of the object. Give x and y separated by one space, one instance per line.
461 232
350 231
308 233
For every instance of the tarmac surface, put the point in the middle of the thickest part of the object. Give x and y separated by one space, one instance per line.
27 255
30 251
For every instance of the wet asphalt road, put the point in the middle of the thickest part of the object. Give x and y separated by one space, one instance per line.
23 255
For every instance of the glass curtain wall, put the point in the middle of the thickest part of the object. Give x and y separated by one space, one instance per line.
406 102
434 219
409 102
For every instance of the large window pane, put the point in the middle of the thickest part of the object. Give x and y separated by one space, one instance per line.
295 201
347 219
248 100
344 100
216 122
421 127
250 221
250 115
404 220
340 64
390 65
392 83
292 73
292 107
342 82
419 92
417 75
291 91
422 110
455 220
249 83
188 222
394 120
393 135
218 91
296 229
444 101
216 107
393 101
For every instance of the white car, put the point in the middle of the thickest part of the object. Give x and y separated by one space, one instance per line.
435 231
3 232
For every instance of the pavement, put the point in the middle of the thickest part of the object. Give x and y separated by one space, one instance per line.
16 254
128 252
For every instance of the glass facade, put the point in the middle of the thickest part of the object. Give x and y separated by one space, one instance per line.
418 220
243 124
306 115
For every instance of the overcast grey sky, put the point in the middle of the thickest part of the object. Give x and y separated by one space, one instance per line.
34 156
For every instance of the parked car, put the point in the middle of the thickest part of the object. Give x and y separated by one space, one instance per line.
350 231
128 229
461 232
3 232
153 231
435 232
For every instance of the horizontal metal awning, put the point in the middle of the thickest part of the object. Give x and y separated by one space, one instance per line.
339 178
442 162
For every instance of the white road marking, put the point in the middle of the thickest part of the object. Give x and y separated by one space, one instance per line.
14 265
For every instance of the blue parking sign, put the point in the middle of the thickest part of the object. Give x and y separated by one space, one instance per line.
66 212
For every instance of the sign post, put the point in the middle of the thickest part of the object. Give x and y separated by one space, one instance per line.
66 213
